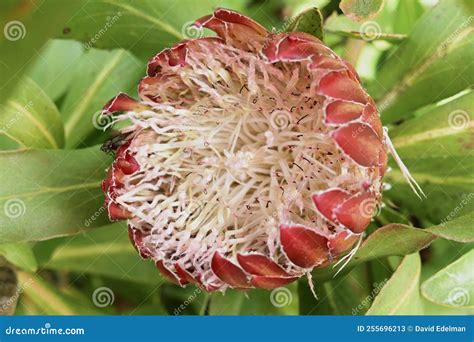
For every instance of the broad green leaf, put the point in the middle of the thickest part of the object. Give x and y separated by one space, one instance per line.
54 67
30 119
446 182
430 308
51 193
436 146
20 254
106 251
26 26
453 285
408 12
99 76
259 11
399 239
51 300
359 10
440 254
309 21
438 131
400 295
144 27
432 64
456 229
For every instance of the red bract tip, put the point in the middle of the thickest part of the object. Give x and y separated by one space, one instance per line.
121 103
260 265
356 212
303 246
165 272
340 85
328 200
341 242
360 142
229 272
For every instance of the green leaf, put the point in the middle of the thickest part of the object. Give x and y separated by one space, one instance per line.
408 12
368 31
99 76
27 26
52 300
309 21
433 64
106 251
51 193
436 146
359 10
453 285
30 119
54 68
400 295
448 127
144 27
459 229
448 194
20 254
399 239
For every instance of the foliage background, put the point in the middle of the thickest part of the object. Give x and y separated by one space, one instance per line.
59 63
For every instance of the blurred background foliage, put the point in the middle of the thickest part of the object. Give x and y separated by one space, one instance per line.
62 62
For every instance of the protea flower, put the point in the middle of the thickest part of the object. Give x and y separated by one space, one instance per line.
250 158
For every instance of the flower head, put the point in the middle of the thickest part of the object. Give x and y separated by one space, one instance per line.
250 158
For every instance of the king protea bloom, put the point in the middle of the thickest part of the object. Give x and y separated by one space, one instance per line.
250 158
